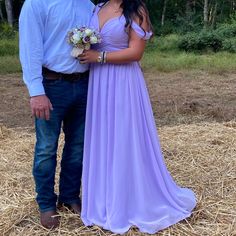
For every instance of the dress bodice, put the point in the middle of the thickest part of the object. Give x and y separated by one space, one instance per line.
113 32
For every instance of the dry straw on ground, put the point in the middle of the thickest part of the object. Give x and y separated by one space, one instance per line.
200 156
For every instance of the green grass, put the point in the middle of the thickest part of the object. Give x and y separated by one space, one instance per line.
9 65
9 61
163 44
173 61
9 47
161 55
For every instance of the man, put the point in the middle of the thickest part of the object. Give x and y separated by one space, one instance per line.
57 85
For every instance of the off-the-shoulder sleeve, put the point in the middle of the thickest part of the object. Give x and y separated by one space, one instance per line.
96 8
140 32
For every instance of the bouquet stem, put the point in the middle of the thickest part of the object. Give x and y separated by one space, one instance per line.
76 52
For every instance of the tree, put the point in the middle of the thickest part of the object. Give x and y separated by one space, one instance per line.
1 14
9 10
205 13
163 13
166 15
213 14
188 9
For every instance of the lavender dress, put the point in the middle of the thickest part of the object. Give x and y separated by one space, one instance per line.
125 180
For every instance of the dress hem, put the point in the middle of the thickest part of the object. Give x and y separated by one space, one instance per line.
141 229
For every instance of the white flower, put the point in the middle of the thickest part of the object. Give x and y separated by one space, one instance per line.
88 32
83 37
76 38
93 40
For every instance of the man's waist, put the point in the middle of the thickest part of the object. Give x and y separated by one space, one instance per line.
53 75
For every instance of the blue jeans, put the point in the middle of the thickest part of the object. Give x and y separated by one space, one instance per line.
69 108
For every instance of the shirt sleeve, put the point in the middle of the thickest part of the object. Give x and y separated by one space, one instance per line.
31 28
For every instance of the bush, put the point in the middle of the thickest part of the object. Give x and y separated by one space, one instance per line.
205 40
168 28
229 45
163 43
168 42
226 30
222 38
189 42
7 32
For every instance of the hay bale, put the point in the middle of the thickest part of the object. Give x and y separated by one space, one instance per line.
199 156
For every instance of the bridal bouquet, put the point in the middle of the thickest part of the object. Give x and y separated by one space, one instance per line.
81 39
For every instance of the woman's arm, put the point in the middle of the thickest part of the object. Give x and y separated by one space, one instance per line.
134 52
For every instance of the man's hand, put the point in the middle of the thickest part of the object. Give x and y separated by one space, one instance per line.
41 107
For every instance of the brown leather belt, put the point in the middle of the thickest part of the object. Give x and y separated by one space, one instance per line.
53 75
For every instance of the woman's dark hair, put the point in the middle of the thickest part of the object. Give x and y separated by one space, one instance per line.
133 9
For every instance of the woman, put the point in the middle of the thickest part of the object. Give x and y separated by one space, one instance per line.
125 180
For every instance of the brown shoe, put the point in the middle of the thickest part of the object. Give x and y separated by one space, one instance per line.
74 207
49 219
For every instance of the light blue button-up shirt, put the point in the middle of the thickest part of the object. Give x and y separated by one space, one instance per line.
43 28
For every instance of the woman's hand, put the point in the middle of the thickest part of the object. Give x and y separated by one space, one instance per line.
89 56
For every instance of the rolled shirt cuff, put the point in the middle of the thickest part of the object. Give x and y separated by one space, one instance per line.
36 88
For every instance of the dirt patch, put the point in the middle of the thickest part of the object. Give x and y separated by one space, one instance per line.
15 111
193 96
177 98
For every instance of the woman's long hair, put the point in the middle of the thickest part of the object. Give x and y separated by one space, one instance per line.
133 9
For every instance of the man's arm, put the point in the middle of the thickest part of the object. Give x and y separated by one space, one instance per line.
31 28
